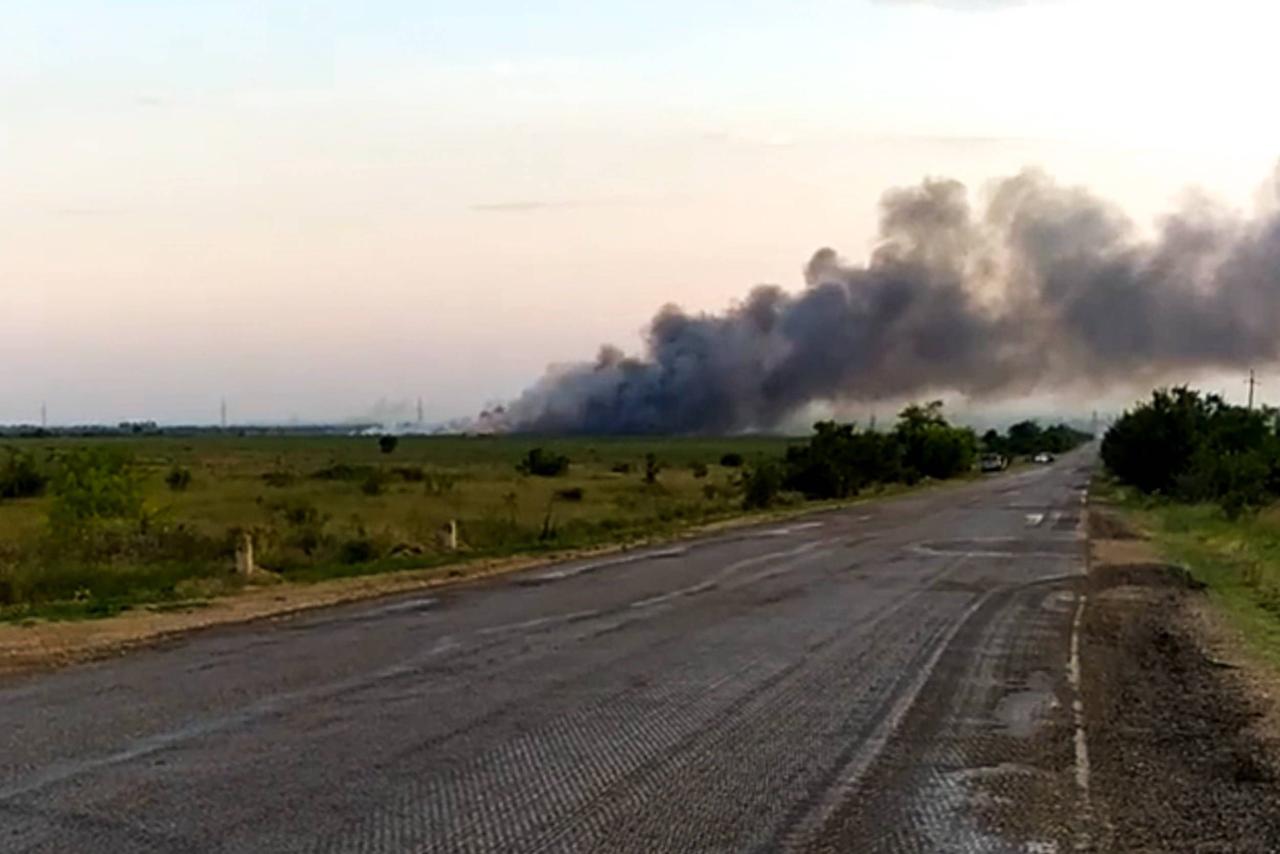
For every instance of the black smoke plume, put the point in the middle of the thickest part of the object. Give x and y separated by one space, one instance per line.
1046 287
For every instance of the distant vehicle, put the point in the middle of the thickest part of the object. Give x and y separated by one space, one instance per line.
993 462
1043 457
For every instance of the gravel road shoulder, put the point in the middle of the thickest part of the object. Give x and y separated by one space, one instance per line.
1182 757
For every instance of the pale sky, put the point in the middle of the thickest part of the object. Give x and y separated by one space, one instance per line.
311 207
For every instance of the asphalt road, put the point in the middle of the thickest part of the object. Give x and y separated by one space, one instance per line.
892 677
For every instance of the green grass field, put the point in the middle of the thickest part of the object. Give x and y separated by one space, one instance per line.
321 507
1238 559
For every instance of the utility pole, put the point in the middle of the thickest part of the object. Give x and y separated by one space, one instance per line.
1252 383
223 420
420 416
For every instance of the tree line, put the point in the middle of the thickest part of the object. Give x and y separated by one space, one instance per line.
1190 446
841 460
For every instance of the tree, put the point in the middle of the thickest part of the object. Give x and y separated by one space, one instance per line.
930 446
388 444
1025 438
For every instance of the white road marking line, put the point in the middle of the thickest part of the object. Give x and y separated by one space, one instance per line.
932 552
538 621
1077 707
790 529
571 572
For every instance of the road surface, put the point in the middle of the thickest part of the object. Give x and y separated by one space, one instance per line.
891 677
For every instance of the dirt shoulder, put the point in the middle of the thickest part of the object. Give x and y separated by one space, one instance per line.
1181 720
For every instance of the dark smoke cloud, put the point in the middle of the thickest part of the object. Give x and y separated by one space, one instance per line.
1046 287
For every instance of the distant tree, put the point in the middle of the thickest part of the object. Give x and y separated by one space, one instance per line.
388 444
930 446
731 460
1025 438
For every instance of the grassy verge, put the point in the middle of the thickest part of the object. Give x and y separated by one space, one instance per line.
1239 560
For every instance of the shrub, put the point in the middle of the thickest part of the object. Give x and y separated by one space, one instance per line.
541 463
410 474
732 460
178 479
374 483
761 486
388 444
651 468
343 471
359 549
574 493
699 469
279 479
839 461
20 477
440 483
621 468
93 485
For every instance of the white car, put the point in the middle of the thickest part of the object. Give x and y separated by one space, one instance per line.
1043 457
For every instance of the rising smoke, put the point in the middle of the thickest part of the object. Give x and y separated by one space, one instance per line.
1047 287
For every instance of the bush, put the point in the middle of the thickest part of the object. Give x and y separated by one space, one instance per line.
359 549
410 474
343 471
542 463
731 460
699 469
374 483
440 483
651 468
304 526
20 477
178 479
388 444
621 468
574 493
279 479
839 461
761 486
94 485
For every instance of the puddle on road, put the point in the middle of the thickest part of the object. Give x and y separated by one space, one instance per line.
1021 712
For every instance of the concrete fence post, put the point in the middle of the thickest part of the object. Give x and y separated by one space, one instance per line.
448 536
245 567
